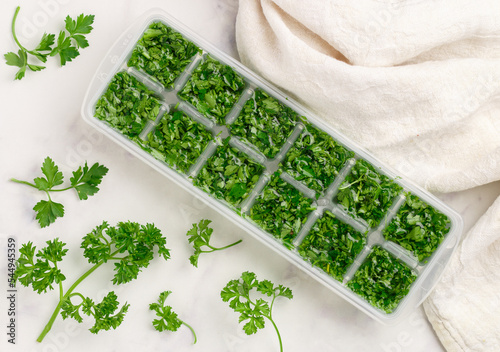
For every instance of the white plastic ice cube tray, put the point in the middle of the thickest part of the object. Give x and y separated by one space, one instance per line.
427 272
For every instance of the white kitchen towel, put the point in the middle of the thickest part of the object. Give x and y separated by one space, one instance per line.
416 82
464 308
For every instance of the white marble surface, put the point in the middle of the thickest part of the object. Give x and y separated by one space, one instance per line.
40 117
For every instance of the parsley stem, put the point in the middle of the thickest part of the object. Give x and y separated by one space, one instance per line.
65 297
229 245
24 182
190 328
277 332
62 189
14 29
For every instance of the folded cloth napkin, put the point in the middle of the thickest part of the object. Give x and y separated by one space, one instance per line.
418 84
464 308
415 82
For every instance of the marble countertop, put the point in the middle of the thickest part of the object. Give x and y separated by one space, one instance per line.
40 117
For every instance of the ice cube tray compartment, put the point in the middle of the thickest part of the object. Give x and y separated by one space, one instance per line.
245 147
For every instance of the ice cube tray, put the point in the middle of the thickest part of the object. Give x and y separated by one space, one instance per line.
271 166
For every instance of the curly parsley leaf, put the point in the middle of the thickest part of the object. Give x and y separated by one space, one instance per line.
128 244
199 236
168 319
40 270
84 181
240 293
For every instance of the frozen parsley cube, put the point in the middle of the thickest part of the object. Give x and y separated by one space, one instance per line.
332 245
265 122
418 227
162 53
229 175
213 89
178 140
127 105
382 280
281 209
366 193
316 159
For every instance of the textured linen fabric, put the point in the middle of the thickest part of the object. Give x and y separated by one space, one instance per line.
417 83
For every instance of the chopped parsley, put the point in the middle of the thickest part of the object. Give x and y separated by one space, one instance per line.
332 245
178 140
382 280
229 175
213 89
127 105
265 123
418 227
162 53
281 209
316 159
367 193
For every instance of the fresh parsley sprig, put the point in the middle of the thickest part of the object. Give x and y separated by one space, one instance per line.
199 236
254 311
67 44
169 320
85 181
129 245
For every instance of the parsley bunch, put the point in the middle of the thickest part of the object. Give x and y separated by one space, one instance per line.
85 181
238 293
199 235
169 320
129 245
69 41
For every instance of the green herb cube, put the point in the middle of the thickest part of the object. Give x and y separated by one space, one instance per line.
281 209
367 193
332 245
418 227
213 89
178 140
316 159
127 105
265 123
162 53
229 175
382 280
